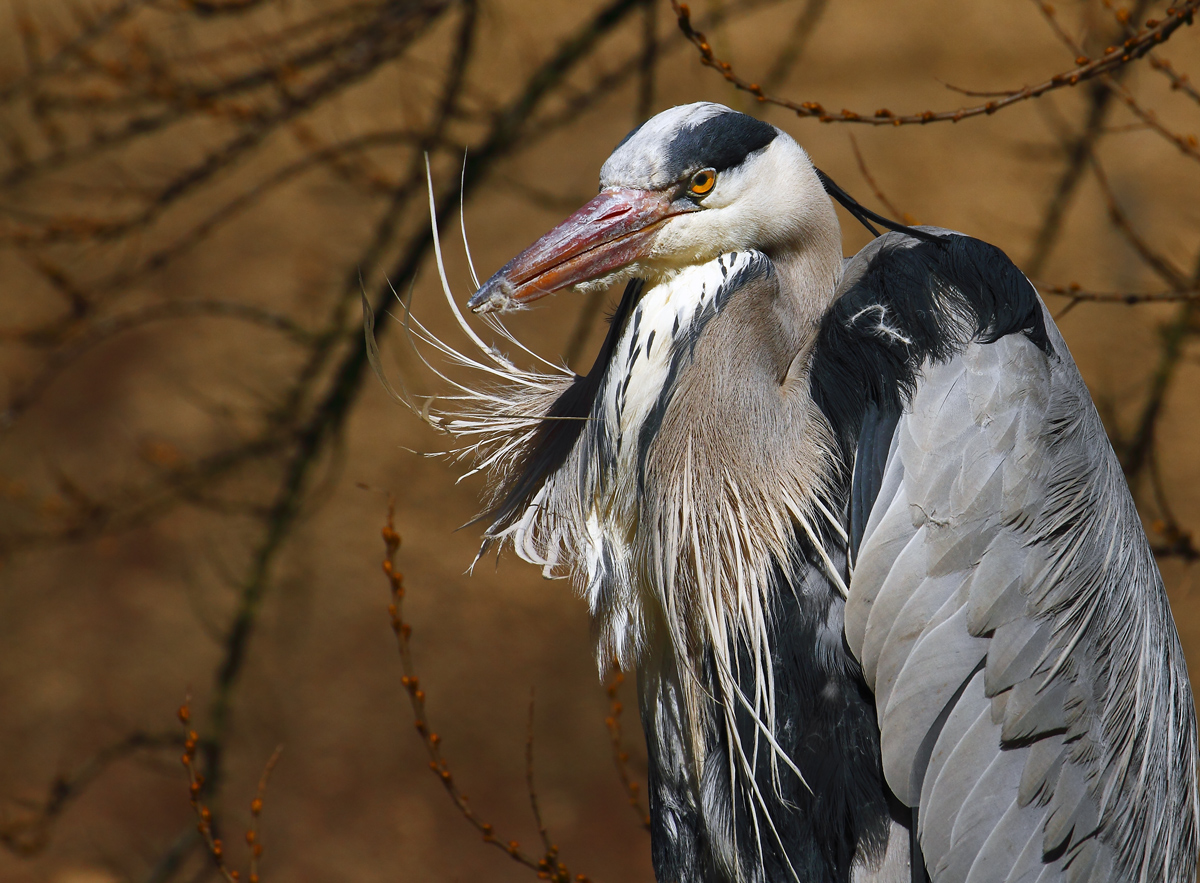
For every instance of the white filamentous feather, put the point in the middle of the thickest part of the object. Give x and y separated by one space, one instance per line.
704 570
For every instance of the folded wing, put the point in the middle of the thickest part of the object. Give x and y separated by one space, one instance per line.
1032 695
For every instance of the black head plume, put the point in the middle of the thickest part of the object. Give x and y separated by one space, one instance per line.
865 215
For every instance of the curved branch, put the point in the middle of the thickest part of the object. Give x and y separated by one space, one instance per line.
1156 33
29 835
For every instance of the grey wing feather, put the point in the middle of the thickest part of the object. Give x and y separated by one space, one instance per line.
1009 616
1028 865
941 662
983 814
956 777
1005 841
966 709
891 542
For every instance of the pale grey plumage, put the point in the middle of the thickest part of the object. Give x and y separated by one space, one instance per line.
1004 536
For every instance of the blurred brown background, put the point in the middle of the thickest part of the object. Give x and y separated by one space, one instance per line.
195 459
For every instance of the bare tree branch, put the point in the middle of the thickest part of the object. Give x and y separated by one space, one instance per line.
1086 69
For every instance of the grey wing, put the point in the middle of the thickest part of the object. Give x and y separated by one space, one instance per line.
1032 695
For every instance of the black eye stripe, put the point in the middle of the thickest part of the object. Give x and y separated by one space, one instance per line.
719 143
667 150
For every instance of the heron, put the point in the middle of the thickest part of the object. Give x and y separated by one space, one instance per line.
854 522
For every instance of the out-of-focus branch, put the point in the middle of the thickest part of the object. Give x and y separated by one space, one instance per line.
223 7
794 46
100 330
139 505
1187 144
1179 82
1177 542
1079 294
238 205
648 61
158 97
1136 450
377 45
29 833
903 217
1076 147
1151 257
101 25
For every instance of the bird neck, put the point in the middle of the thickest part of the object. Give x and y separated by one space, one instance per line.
809 273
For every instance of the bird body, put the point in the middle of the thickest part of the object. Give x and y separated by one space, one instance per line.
689 565
857 527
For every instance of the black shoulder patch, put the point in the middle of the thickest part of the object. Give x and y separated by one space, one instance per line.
720 142
561 427
915 301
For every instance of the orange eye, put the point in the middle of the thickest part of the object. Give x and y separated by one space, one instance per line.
702 182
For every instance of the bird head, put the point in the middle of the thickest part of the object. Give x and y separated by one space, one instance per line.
689 184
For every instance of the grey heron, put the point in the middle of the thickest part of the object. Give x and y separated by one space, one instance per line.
855 523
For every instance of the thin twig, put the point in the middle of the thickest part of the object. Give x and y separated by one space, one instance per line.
547 845
207 823
1078 148
1179 82
1151 257
548 866
1187 144
898 215
1135 452
620 755
1178 542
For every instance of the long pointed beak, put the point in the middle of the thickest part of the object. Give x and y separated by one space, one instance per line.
609 233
